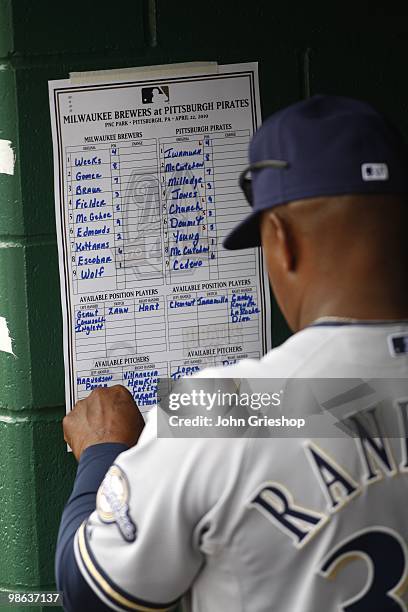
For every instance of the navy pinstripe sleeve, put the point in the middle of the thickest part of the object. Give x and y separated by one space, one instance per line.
93 465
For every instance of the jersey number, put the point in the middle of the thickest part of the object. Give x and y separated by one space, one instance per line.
384 552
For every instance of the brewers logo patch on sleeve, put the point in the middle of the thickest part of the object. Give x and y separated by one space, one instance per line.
112 503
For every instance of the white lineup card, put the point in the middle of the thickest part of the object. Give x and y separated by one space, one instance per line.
146 188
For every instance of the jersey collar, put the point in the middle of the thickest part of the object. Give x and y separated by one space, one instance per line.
338 321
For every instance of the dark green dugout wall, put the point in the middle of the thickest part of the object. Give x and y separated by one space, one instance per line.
301 51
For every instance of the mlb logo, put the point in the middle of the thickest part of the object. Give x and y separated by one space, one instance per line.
398 344
374 172
155 95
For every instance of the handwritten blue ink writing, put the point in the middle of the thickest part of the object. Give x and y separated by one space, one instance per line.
118 310
89 231
148 307
84 314
187 264
83 218
91 246
182 237
143 386
226 362
175 222
91 203
182 303
178 167
184 371
179 208
182 153
87 177
88 328
87 162
145 399
245 298
183 180
242 307
88 261
206 301
89 321
146 374
84 190
99 216
177 194
91 382
194 250
87 274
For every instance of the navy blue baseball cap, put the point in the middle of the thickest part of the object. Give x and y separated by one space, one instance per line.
322 146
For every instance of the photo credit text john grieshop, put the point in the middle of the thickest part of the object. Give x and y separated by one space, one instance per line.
199 407
195 405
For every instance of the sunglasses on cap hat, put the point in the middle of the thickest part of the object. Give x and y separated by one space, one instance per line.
245 182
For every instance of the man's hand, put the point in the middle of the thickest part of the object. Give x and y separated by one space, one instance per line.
108 414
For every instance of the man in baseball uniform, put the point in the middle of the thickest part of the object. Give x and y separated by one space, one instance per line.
295 524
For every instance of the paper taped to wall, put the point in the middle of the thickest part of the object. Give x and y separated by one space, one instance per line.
146 187
5 340
6 157
138 73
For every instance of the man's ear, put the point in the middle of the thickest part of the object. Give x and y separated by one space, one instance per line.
276 232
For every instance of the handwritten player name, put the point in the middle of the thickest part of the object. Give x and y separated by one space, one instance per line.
182 167
184 208
193 250
84 232
178 194
242 307
95 266
79 176
184 180
118 310
84 190
187 264
148 307
172 153
143 386
177 222
184 370
96 260
88 321
199 301
183 237
92 382
91 203
83 161
91 246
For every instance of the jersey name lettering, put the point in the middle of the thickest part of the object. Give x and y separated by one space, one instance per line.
276 502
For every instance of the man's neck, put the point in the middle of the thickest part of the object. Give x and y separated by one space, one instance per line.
363 309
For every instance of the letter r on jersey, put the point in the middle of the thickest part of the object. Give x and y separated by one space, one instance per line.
275 502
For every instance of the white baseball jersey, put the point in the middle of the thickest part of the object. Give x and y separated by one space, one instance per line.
262 525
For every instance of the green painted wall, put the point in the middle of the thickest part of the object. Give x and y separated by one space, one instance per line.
301 51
